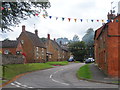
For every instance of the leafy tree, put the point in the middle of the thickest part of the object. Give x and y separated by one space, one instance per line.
14 12
78 50
88 38
63 40
75 38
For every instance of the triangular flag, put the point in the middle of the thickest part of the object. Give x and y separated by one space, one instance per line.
36 14
81 20
63 18
103 21
69 19
108 21
97 20
87 20
92 20
56 18
2 8
75 19
9 8
117 20
50 17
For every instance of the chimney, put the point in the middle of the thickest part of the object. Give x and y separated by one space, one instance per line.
23 28
36 32
54 39
110 15
60 42
48 37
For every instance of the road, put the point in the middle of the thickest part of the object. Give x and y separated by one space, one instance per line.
58 77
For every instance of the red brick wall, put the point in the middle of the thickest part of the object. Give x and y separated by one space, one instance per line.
113 43
28 48
107 57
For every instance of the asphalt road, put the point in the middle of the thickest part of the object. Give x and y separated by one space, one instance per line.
58 77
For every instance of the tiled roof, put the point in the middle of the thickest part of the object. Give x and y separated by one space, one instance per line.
35 39
9 44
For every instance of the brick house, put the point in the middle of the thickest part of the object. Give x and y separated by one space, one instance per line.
33 47
54 51
65 52
10 47
107 46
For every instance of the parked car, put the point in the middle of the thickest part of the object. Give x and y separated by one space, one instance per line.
89 60
71 59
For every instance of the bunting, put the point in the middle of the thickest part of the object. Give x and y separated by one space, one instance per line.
71 19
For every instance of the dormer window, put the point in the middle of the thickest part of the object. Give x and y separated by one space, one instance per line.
22 41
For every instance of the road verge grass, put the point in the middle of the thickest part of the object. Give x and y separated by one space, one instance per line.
13 70
84 72
58 63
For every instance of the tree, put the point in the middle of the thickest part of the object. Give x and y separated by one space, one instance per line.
75 38
88 38
14 12
78 50
63 40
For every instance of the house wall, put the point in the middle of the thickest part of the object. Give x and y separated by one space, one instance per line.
113 43
28 48
107 48
53 50
40 54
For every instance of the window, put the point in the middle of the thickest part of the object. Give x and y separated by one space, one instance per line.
22 41
6 52
37 49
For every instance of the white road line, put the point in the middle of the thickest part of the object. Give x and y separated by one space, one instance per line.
60 82
30 87
12 84
18 83
51 76
56 80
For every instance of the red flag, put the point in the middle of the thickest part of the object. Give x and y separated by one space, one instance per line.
69 19
2 8
36 14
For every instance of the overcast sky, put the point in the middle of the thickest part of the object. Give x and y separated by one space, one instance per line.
75 9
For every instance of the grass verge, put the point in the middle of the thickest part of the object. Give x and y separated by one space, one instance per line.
58 63
13 70
84 72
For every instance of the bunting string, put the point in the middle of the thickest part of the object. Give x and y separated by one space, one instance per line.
70 19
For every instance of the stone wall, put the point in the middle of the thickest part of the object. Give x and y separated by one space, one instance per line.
11 59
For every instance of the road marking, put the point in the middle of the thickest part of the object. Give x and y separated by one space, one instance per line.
17 84
12 84
60 82
51 76
56 80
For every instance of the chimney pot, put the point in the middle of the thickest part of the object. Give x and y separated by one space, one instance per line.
23 28
54 39
36 32
49 36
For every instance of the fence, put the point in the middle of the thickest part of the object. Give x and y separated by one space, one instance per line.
11 59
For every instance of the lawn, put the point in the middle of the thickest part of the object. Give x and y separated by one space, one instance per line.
12 70
84 72
58 63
